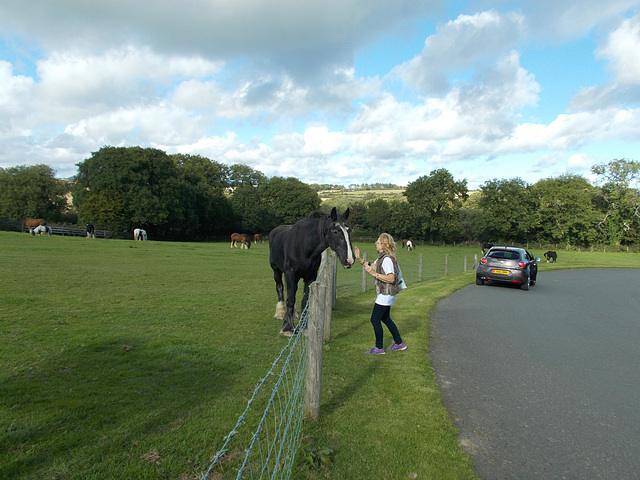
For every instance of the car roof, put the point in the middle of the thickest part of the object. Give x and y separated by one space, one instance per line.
507 249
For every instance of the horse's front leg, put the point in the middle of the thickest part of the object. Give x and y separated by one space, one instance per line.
287 321
305 297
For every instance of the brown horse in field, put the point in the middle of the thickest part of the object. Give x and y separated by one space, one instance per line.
243 238
32 223
409 244
257 238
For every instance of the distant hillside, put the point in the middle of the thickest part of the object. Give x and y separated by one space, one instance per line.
346 197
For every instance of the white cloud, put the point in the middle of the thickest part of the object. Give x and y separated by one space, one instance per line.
554 21
458 45
115 77
622 50
278 85
579 163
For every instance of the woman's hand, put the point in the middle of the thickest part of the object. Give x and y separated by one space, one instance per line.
357 250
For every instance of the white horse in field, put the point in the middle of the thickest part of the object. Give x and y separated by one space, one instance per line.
40 229
140 234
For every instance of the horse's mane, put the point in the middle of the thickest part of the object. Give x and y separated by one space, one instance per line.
317 214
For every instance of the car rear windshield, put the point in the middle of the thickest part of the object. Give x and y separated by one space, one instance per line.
504 254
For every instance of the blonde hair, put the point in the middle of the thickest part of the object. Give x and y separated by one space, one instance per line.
388 244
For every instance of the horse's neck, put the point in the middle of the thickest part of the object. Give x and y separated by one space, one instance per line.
317 240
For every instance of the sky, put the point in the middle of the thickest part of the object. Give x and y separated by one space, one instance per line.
340 91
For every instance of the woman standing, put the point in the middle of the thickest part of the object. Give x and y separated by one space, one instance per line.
385 270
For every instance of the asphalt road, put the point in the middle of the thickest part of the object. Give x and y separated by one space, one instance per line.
545 384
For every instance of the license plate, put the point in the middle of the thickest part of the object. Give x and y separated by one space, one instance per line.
501 272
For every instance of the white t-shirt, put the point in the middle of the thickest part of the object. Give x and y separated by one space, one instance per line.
387 268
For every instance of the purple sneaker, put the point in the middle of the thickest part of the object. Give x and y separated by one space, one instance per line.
395 347
375 351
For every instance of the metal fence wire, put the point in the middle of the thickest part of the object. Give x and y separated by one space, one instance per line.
273 445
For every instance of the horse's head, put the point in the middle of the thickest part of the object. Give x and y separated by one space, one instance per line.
338 236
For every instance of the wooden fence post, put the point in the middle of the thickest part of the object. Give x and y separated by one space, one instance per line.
420 268
315 334
465 263
446 265
328 279
334 270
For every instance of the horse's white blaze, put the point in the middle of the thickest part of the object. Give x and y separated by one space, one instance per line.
350 258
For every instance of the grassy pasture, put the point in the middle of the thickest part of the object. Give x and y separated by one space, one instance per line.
127 360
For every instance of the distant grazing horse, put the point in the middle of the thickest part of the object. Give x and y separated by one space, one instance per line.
140 234
40 229
91 231
296 251
243 238
257 238
409 244
551 256
30 223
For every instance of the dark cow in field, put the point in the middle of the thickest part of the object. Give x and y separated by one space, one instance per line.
551 256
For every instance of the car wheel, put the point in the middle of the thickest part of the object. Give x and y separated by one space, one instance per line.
525 286
479 281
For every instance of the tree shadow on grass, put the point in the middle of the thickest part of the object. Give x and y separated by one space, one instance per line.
87 402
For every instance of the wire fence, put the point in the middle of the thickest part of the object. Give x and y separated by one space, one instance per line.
272 446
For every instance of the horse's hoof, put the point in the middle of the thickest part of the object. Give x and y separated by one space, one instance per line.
286 333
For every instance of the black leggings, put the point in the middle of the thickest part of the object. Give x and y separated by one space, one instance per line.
380 315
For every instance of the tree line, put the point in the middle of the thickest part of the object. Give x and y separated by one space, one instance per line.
190 197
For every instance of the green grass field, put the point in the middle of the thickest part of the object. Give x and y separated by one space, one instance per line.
127 360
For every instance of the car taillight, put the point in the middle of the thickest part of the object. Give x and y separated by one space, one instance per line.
483 260
521 264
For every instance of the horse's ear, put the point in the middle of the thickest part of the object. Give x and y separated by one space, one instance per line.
334 214
346 214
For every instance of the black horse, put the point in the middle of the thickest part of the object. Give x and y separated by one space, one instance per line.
296 250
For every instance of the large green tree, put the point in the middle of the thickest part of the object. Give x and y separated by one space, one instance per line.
435 202
566 212
251 213
32 192
619 201
206 207
508 211
239 174
377 217
123 188
288 200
